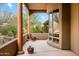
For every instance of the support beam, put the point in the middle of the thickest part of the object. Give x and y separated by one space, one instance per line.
20 36
37 11
28 24
29 33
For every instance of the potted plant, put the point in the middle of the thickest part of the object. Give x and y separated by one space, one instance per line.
30 50
33 38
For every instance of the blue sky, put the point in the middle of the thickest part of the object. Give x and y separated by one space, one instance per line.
13 8
9 7
43 17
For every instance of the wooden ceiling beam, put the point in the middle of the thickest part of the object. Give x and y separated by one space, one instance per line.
34 11
37 11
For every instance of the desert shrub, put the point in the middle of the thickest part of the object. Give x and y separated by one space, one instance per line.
8 30
37 28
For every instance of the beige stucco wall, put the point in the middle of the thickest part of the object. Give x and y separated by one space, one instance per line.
69 25
50 8
64 23
75 28
65 26
40 36
78 28
9 49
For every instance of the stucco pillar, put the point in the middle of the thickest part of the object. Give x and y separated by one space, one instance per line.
20 35
29 33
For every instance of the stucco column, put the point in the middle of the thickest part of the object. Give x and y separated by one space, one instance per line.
29 34
20 35
28 24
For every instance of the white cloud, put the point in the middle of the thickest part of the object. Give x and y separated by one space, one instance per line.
10 5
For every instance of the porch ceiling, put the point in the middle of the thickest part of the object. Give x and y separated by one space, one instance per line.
36 6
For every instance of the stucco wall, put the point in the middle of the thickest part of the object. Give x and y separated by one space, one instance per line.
75 28
50 8
64 23
40 36
9 49
65 26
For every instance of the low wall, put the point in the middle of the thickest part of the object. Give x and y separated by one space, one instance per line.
40 36
4 39
9 49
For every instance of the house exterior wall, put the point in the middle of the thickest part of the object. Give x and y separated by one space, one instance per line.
69 27
65 26
50 8
64 23
75 28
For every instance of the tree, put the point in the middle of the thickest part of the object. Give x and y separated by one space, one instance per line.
8 30
34 23
25 19
46 24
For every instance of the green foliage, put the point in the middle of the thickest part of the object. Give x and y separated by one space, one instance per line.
8 30
25 19
11 28
46 24
35 24
36 28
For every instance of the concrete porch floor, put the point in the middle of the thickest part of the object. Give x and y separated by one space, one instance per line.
41 48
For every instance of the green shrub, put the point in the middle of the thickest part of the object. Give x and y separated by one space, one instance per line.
8 30
37 28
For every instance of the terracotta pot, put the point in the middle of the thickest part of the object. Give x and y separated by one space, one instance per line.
34 38
30 50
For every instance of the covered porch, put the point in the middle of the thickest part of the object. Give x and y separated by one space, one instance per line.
65 23
32 8
41 48
66 42
64 36
64 31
